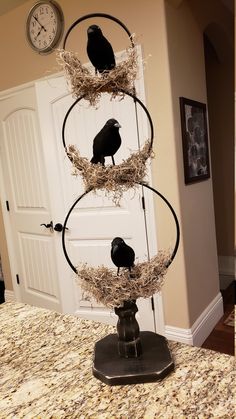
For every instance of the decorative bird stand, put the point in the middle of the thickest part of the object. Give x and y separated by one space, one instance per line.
131 356
128 356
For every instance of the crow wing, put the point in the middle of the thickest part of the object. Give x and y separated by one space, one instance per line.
100 53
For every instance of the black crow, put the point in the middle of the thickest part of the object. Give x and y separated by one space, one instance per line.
99 50
106 142
122 255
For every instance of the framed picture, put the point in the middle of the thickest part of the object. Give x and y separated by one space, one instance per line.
195 140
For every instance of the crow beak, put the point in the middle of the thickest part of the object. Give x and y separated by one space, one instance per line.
117 125
90 30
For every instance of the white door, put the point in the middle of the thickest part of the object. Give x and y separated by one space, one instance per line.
31 247
96 220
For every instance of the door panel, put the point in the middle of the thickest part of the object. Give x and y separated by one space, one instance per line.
27 192
38 265
20 141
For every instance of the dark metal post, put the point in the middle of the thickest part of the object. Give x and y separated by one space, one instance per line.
129 344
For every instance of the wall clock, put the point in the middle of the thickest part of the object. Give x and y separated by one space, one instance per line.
44 26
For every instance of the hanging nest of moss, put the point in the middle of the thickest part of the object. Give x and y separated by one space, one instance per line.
82 82
112 178
112 290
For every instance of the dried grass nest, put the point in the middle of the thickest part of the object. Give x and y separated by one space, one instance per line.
117 178
111 290
82 82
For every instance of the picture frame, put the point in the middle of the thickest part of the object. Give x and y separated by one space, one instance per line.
194 140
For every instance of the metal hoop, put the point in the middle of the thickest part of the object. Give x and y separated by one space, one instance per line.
120 90
64 229
106 16
175 219
138 183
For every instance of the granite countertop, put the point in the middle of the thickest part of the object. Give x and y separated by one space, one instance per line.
46 372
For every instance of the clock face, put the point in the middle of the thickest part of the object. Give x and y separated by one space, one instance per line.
44 26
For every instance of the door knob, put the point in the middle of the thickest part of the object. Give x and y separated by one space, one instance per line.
49 225
59 227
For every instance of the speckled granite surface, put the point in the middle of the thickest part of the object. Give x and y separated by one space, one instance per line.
45 372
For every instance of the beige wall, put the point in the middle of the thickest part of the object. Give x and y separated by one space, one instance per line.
234 133
218 23
187 76
192 281
220 86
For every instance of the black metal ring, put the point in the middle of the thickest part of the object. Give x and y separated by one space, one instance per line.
175 218
120 90
91 15
141 184
64 229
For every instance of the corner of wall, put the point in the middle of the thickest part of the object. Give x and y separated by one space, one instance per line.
201 328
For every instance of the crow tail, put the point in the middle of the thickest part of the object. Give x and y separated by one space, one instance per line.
94 160
97 159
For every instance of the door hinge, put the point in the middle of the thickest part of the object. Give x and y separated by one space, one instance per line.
152 303
7 205
17 279
143 203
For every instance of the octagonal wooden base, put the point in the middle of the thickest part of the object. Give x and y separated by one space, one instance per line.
154 364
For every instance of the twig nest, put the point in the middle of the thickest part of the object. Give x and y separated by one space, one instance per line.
82 82
113 178
111 290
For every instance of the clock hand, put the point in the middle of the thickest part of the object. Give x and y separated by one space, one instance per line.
39 23
39 32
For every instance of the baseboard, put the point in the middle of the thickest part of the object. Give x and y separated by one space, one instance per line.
178 334
9 295
201 328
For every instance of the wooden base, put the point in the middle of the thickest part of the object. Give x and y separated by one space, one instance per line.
154 364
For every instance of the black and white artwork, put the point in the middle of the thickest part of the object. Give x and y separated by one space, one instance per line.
195 140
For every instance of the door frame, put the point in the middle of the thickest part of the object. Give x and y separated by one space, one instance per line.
149 209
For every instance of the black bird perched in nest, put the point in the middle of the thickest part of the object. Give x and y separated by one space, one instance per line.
122 255
99 50
106 142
